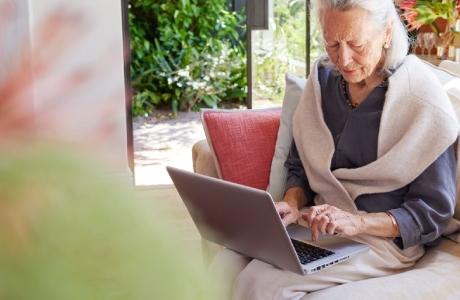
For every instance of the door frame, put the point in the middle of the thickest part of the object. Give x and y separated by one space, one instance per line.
128 88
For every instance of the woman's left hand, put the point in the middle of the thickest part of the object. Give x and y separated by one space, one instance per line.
328 219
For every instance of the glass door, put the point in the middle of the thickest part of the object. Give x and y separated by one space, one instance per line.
289 45
278 50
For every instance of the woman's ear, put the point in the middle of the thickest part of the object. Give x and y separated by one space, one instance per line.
388 34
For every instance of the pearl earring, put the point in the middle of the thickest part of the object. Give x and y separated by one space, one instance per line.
386 46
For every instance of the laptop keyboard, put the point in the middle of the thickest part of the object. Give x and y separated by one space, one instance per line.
308 253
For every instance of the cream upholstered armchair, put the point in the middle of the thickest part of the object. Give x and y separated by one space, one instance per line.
435 276
203 162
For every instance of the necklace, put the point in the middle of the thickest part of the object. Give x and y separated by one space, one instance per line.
347 95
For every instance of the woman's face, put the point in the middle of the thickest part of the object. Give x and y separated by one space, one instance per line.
353 42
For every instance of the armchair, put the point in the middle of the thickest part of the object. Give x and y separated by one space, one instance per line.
436 275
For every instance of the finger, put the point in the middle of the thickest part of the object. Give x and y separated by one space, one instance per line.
306 218
309 215
289 219
322 208
323 221
287 214
340 226
285 222
314 229
331 228
333 215
281 207
285 218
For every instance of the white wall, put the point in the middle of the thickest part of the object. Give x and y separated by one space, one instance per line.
79 93
16 98
14 33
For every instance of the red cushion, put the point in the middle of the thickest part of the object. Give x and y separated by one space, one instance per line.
243 143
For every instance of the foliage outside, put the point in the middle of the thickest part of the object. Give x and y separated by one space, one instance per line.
287 52
186 54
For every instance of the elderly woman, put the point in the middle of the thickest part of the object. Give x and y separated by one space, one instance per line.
372 156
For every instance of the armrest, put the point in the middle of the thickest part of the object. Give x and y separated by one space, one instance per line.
203 161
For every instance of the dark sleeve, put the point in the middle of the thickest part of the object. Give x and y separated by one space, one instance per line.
429 203
296 174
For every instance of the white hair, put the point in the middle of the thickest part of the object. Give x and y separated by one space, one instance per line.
382 12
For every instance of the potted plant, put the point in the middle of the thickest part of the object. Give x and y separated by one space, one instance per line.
439 15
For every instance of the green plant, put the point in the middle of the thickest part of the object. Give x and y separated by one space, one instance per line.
425 12
288 50
270 72
186 53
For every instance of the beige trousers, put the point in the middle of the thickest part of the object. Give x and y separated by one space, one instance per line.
252 279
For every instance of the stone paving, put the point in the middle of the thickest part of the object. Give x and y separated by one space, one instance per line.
162 140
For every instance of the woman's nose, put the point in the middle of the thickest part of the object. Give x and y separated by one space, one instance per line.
344 56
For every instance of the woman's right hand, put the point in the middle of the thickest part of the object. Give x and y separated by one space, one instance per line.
289 214
288 208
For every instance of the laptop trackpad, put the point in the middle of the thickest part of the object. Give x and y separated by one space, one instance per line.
330 242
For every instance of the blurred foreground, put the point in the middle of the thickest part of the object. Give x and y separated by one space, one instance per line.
69 229
70 232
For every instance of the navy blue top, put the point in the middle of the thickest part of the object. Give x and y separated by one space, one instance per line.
422 208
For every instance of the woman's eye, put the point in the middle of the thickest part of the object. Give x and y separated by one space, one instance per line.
332 46
358 46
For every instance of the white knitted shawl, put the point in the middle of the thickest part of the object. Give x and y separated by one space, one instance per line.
418 124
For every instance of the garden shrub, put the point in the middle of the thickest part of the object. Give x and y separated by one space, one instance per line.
186 54
288 49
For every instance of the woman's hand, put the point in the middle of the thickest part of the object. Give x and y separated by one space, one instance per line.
289 214
288 208
328 219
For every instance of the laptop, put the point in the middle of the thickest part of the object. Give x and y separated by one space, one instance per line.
245 220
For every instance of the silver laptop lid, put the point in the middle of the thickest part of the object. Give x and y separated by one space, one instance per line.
238 217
